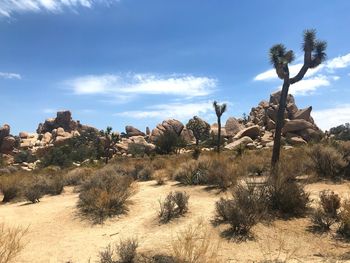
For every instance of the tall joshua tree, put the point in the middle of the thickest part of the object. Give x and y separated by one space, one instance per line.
219 110
314 55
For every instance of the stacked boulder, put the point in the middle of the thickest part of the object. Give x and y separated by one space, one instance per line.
7 141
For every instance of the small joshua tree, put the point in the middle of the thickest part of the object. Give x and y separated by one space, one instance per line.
219 110
314 55
199 127
109 140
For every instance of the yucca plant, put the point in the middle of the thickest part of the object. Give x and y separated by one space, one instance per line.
314 55
219 110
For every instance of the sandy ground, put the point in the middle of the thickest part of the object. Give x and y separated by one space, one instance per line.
57 234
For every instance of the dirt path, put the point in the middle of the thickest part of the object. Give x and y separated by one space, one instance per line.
57 234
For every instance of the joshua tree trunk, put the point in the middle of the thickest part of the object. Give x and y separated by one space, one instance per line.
219 134
279 124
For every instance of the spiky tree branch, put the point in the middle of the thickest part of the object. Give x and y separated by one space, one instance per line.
219 110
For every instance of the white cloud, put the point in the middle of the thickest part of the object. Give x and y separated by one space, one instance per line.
7 75
309 86
331 117
181 111
8 7
339 62
135 84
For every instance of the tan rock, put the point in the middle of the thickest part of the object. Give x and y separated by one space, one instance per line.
253 132
232 126
296 125
238 143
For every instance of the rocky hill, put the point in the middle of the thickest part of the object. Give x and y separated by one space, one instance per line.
255 132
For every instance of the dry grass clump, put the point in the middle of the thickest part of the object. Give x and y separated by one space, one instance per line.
327 213
243 211
160 176
174 205
195 244
344 219
10 187
215 171
33 193
124 252
77 176
105 195
326 161
10 243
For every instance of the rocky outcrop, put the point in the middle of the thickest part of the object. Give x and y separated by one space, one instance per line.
7 142
242 142
63 120
214 130
233 126
134 143
187 136
170 125
253 132
132 131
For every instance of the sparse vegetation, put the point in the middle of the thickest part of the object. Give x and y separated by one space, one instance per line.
34 192
344 226
124 252
169 142
11 243
105 194
174 205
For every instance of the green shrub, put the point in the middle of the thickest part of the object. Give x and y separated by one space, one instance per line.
341 132
169 142
326 161
174 205
25 156
105 194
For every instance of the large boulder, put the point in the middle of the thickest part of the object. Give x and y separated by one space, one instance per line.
170 125
276 96
214 130
296 125
63 119
303 114
253 132
233 126
8 144
4 131
132 131
239 143
187 136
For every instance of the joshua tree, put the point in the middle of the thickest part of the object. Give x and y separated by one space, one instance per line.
199 127
314 55
219 110
109 140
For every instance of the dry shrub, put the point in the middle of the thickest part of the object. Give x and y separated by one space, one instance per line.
125 251
77 176
195 244
243 211
286 196
174 205
34 192
10 243
10 186
344 226
146 173
160 176
215 171
327 213
253 163
326 161
105 194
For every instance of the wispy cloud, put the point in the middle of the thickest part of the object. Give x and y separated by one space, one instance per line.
316 78
331 117
7 75
137 84
8 7
181 111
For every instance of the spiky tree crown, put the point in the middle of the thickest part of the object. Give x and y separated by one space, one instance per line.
219 109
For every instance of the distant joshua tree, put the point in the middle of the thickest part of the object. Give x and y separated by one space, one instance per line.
200 129
109 139
219 110
314 55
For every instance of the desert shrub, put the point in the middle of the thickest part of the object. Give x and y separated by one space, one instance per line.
146 173
33 193
243 211
344 226
195 244
105 194
160 176
196 153
10 187
25 156
11 243
174 205
54 185
207 171
326 161
77 176
169 142
286 196
137 149
327 213
125 251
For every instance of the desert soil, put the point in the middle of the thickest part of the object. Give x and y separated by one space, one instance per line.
57 234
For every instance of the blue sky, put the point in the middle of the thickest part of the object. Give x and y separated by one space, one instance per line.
139 62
